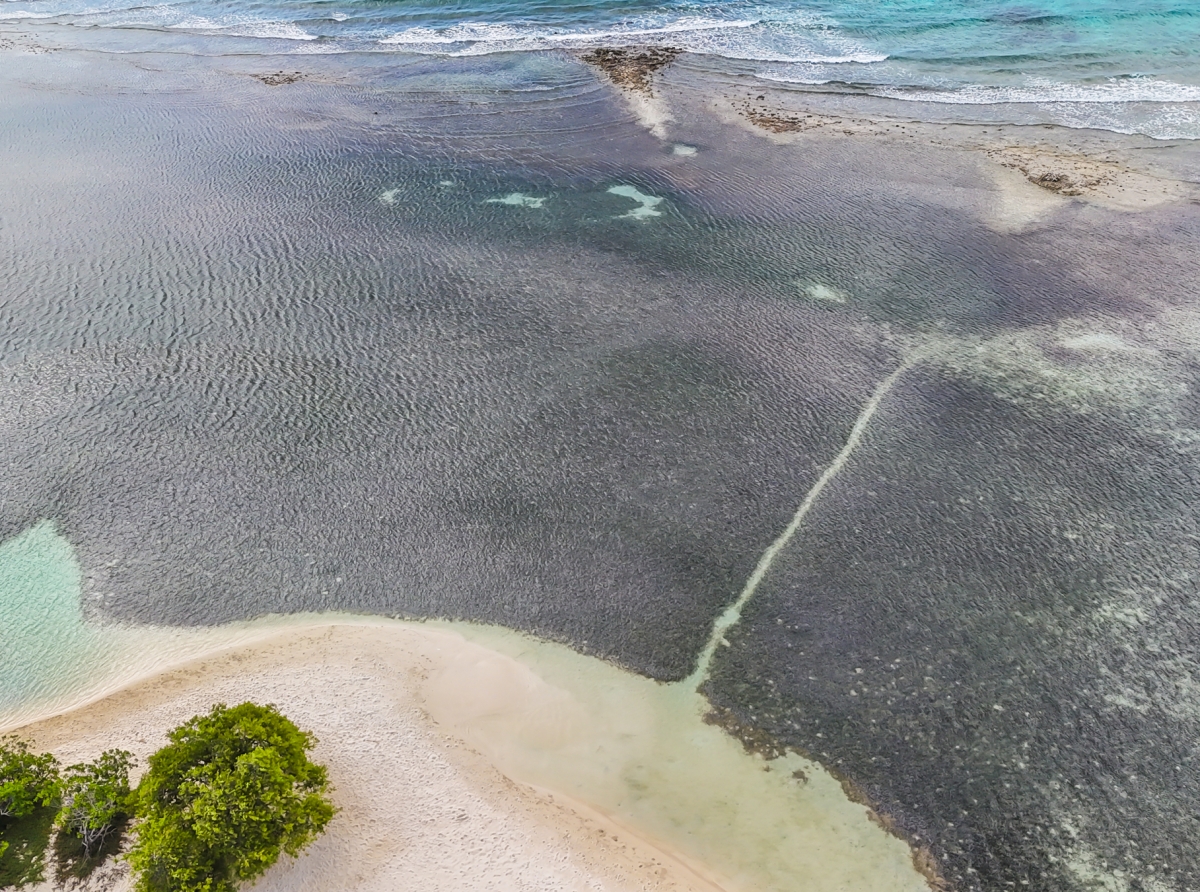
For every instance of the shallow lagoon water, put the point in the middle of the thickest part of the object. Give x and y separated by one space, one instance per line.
240 384
54 659
626 748
46 646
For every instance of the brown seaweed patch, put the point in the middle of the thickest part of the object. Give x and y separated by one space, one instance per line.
776 122
632 68
1055 182
924 861
756 741
26 46
782 122
1107 179
279 78
1058 172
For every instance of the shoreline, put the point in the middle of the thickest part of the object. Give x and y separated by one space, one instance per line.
1035 168
282 63
388 699
533 828
1122 99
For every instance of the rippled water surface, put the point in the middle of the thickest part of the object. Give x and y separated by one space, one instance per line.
459 338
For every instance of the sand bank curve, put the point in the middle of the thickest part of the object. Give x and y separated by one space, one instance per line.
505 763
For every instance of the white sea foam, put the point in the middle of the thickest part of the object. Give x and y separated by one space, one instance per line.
275 30
1173 122
244 27
860 58
469 32
318 48
1130 89
173 17
787 46
1113 105
797 38
489 37
1154 107
1115 90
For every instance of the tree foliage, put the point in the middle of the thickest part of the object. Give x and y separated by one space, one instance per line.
94 797
220 803
27 779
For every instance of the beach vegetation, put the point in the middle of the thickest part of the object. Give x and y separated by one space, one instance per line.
231 792
28 786
94 798
27 779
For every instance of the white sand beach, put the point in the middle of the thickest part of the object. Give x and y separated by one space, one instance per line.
419 809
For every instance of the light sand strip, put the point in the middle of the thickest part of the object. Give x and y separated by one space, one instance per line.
733 613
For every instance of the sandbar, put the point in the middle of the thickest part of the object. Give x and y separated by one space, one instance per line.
418 807
469 757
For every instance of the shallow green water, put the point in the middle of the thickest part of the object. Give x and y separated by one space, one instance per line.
53 658
45 645
637 752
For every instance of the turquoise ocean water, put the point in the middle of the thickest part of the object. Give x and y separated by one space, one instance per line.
1124 65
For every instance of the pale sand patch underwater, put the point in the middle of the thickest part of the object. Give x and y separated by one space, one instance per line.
647 204
630 788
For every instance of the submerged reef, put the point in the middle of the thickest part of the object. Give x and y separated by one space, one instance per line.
631 68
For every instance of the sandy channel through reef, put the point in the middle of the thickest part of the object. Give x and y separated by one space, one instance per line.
506 763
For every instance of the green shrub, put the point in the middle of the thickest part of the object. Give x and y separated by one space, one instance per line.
95 797
220 803
27 779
